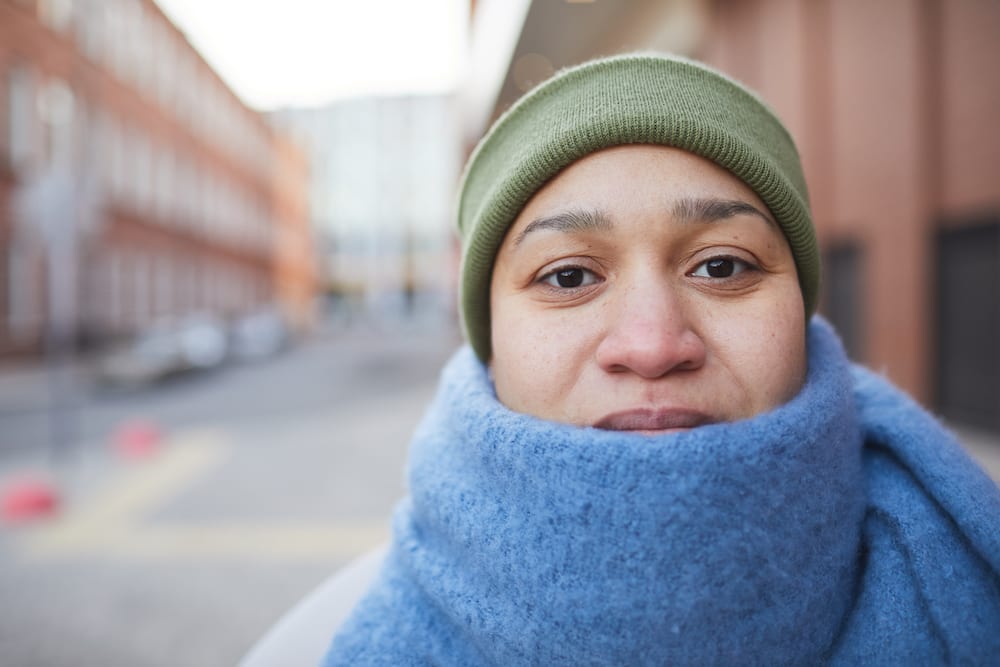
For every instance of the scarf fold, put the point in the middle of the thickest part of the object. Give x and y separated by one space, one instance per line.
844 526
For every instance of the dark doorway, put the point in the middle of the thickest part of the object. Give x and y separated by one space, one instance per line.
967 383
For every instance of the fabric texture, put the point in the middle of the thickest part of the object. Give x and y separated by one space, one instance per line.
631 99
845 527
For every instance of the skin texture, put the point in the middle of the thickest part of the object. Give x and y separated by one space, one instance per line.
645 288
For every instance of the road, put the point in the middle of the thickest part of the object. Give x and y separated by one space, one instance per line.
269 478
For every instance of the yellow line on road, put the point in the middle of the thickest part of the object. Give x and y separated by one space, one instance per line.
111 524
245 542
122 503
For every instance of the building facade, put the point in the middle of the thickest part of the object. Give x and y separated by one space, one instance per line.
892 105
384 171
298 279
135 187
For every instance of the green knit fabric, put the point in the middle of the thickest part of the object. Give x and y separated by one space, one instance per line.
632 99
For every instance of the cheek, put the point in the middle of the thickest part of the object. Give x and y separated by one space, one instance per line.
536 360
515 359
768 358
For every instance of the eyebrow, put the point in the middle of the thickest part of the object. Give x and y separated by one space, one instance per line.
568 221
688 209
710 209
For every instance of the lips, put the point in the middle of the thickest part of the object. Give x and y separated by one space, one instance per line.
652 420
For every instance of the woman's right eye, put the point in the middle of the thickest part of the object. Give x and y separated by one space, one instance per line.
569 278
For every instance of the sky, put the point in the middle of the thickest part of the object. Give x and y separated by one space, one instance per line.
276 53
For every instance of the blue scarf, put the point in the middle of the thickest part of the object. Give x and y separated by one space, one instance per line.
843 527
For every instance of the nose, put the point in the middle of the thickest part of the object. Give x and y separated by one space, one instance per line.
650 333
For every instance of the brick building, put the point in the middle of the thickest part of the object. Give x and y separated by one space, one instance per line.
126 158
893 105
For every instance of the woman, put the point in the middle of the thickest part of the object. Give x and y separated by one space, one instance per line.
652 452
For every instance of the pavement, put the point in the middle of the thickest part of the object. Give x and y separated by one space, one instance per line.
983 447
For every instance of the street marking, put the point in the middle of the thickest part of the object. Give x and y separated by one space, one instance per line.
109 525
121 504
228 541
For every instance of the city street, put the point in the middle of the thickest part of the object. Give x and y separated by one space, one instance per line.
188 187
267 479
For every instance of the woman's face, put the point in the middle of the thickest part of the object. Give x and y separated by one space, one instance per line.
645 288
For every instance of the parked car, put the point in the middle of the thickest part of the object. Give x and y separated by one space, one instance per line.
196 343
259 335
151 356
202 342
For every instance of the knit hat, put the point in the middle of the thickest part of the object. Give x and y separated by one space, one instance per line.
631 99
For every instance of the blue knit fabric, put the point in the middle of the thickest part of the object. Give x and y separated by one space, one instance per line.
844 527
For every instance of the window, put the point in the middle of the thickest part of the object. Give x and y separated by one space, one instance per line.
141 49
141 284
166 65
56 14
20 130
101 145
128 37
56 105
185 197
114 36
118 158
843 295
142 173
164 294
128 143
90 21
164 192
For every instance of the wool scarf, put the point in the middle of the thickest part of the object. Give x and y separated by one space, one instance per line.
844 527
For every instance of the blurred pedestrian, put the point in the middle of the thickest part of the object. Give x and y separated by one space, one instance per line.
652 450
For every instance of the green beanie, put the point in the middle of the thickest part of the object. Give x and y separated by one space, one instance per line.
631 99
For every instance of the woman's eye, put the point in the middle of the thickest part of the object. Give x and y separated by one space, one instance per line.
721 267
569 278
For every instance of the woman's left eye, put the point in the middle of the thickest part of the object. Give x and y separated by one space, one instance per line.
569 277
721 267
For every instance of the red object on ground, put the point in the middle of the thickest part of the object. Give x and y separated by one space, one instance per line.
29 498
138 439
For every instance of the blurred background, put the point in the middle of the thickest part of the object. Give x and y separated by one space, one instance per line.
227 266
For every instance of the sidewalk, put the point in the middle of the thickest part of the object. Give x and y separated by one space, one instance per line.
983 447
26 384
